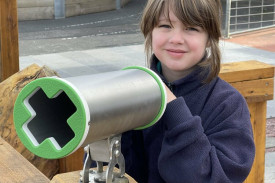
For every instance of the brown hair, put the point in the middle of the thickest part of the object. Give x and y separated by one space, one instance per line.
203 13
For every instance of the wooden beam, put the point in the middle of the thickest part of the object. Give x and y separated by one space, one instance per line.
15 168
256 90
9 52
253 79
246 71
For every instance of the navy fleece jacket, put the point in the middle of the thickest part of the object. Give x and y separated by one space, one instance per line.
205 135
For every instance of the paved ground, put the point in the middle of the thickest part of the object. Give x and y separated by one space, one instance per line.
104 29
262 39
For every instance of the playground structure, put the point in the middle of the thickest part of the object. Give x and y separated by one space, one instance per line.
254 80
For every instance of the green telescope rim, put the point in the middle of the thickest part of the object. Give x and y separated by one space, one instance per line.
163 95
78 121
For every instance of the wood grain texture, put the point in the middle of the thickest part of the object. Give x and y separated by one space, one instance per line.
256 90
246 71
72 162
258 121
9 89
14 168
9 51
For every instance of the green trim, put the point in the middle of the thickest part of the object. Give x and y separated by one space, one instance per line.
159 68
77 122
163 95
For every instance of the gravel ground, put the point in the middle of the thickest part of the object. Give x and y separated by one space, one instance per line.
270 132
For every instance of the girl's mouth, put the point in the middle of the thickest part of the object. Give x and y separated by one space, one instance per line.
175 52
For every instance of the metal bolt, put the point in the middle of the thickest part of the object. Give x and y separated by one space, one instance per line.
266 84
117 153
117 143
86 148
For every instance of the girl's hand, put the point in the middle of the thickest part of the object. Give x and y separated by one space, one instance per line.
170 95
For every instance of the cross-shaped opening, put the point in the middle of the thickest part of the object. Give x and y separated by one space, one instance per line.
51 117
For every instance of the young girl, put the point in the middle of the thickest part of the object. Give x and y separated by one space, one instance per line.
205 134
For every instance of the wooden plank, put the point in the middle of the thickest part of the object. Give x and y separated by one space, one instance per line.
9 54
14 168
246 70
256 90
258 120
70 177
73 177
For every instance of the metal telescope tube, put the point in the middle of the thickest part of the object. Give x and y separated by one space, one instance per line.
53 117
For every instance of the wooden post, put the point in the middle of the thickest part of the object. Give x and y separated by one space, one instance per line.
9 54
255 81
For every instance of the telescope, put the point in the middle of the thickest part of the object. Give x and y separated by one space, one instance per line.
54 116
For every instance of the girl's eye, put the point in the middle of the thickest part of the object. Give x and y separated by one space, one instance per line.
165 26
192 29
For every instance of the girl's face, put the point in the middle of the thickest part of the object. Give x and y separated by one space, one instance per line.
178 47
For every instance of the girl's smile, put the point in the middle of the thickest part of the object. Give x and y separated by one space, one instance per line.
176 53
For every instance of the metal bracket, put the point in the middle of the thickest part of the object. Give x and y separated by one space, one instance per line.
107 150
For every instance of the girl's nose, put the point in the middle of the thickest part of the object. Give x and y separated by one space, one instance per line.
177 37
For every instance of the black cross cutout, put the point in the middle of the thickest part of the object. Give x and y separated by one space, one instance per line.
51 117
